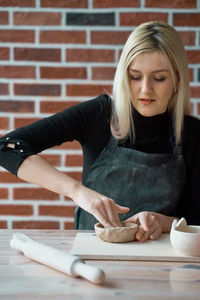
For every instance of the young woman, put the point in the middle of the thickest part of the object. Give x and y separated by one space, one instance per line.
141 148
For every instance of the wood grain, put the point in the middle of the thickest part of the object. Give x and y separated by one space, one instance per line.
24 279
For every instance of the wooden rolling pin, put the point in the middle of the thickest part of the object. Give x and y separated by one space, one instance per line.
69 264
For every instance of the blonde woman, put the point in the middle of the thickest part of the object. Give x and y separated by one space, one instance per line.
141 148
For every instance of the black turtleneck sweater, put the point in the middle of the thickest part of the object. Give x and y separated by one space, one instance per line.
89 123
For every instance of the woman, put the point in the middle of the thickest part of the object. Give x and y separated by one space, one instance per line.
141 149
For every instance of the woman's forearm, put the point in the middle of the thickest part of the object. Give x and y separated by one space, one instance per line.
36 170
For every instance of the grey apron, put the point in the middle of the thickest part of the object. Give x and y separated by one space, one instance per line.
138 180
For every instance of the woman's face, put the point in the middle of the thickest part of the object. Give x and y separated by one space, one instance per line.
151 83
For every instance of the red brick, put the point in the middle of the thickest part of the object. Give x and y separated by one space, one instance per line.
195 91
68 225
18 3
55 210
19 122
3 193
35 225
191 74
37 89
102 73
69 146
3 17
17 72
16 106
115 3
32 54
75 175
188 37
37 18
109 37
90 55
55 106
64 3
6 177
34 194
134 19
63 37
73 160
198 108
52 159
171 3
4 123
3 224
63 72
3 89
87 90
4 53
186 19
16 210
193 56
17 36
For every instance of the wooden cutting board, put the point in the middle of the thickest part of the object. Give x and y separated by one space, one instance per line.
88 246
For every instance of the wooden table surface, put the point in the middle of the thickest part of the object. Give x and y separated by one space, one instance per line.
24 279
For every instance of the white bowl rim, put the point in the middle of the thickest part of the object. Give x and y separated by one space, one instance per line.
186 232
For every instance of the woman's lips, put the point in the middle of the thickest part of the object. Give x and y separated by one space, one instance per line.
146 100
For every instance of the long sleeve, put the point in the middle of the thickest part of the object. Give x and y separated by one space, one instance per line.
74 123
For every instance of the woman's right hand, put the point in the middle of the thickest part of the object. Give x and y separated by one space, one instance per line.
103 208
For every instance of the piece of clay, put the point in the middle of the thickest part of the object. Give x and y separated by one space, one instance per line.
125 233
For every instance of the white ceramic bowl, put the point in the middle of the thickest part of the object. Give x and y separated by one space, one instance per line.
185 239
125 233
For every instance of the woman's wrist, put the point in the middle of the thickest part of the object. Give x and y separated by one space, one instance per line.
71 188
165 221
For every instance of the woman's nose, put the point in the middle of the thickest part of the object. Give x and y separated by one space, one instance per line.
146 86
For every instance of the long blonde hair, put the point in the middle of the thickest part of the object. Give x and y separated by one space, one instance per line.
148 37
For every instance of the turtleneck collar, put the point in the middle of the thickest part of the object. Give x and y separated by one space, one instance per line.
150 127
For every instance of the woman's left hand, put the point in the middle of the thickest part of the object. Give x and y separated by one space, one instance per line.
149 226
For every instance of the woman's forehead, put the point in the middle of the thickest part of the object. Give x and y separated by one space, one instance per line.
152 61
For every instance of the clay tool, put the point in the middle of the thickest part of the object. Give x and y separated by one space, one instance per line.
69 264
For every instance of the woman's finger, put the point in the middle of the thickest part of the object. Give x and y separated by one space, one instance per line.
134 219
145 220
121 209
143 236
155 234
110 209
139 234
102 219
106 213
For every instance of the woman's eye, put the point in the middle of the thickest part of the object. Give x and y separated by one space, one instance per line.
160 79
135 78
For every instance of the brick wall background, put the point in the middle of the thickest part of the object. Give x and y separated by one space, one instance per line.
55 53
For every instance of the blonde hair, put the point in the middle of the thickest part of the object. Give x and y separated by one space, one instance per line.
148 37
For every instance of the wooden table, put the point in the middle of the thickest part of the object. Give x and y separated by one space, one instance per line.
21 278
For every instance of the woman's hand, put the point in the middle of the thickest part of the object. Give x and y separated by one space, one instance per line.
151 225
101 207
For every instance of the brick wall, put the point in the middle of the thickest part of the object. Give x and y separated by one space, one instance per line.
55 53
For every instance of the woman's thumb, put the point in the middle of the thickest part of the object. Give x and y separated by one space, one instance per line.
121 209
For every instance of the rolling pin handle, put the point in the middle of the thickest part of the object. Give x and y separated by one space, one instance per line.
88 272
19 240
55 258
